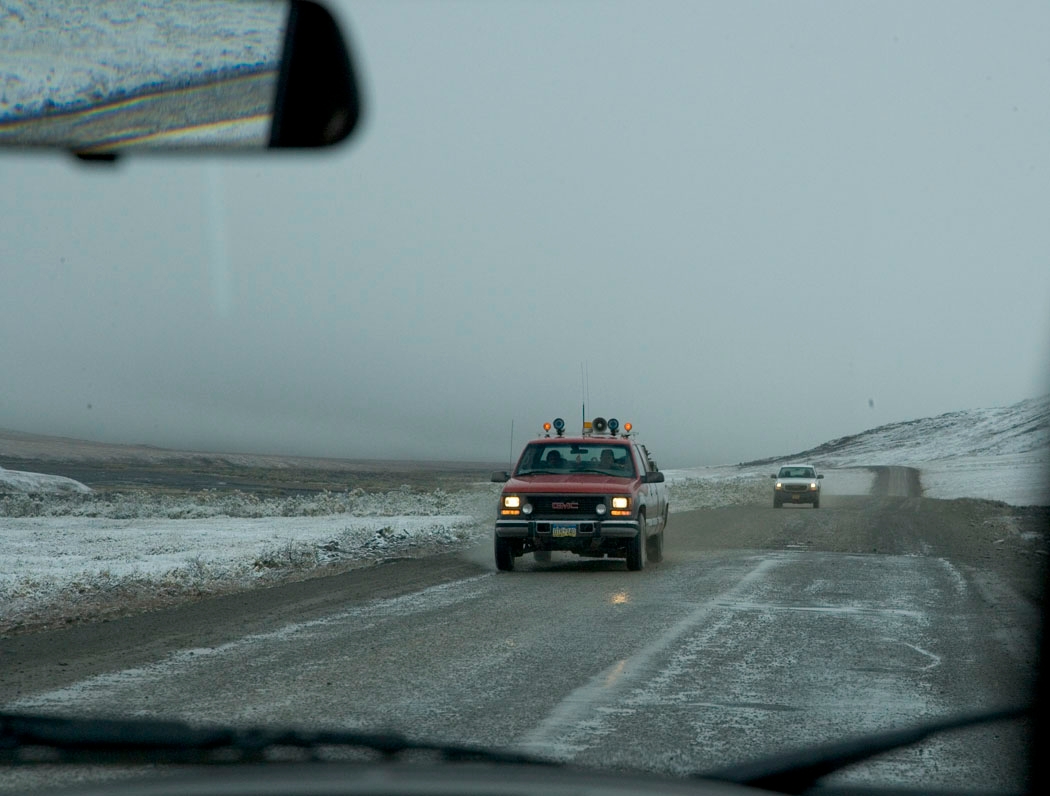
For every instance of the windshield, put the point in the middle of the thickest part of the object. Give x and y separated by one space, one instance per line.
796 472
272 427
588 457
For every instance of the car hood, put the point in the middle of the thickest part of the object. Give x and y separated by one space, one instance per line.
581 483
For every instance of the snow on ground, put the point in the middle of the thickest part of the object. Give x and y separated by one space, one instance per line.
846 481
732 485
46 560
64 546
1018 479
61 552
39 483
67 54
711 487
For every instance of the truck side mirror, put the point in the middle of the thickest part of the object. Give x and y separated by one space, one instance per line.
500 476
654 478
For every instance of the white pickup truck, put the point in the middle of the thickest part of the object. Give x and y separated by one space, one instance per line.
796 483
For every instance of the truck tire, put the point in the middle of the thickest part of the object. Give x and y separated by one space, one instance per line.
776 503
816 503
504 555
636 547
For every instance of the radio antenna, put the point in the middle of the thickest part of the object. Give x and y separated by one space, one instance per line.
510 456
583 394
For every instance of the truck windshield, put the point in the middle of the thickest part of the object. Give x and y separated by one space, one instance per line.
564 457
796 472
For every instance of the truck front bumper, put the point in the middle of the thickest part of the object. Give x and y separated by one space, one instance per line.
808 496
567 534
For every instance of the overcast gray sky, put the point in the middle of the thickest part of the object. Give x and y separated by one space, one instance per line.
757 226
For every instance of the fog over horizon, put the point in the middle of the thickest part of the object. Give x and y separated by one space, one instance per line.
747 228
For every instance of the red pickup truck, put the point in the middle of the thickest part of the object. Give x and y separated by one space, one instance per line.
598 494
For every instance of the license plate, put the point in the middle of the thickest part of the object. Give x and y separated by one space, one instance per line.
563 529
796 498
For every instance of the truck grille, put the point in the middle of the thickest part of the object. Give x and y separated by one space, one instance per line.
555 506
796 487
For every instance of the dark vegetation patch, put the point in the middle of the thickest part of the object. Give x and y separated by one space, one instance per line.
218 473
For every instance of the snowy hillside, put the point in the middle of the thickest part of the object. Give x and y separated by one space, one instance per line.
997 454
1021 429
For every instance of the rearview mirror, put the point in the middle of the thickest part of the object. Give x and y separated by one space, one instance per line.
102 78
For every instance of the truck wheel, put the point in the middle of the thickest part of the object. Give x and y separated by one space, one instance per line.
636 547
543 556
776 503
816 503
504 555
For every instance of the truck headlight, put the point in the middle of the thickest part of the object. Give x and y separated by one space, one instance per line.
779 485
511 502
526 509
600 509
621 506
813 485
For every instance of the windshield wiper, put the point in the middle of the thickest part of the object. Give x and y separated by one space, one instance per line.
28 740
796 772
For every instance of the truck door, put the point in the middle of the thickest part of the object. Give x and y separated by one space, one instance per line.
657 500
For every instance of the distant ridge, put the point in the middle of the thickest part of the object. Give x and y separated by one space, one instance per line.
1023 427
19 448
